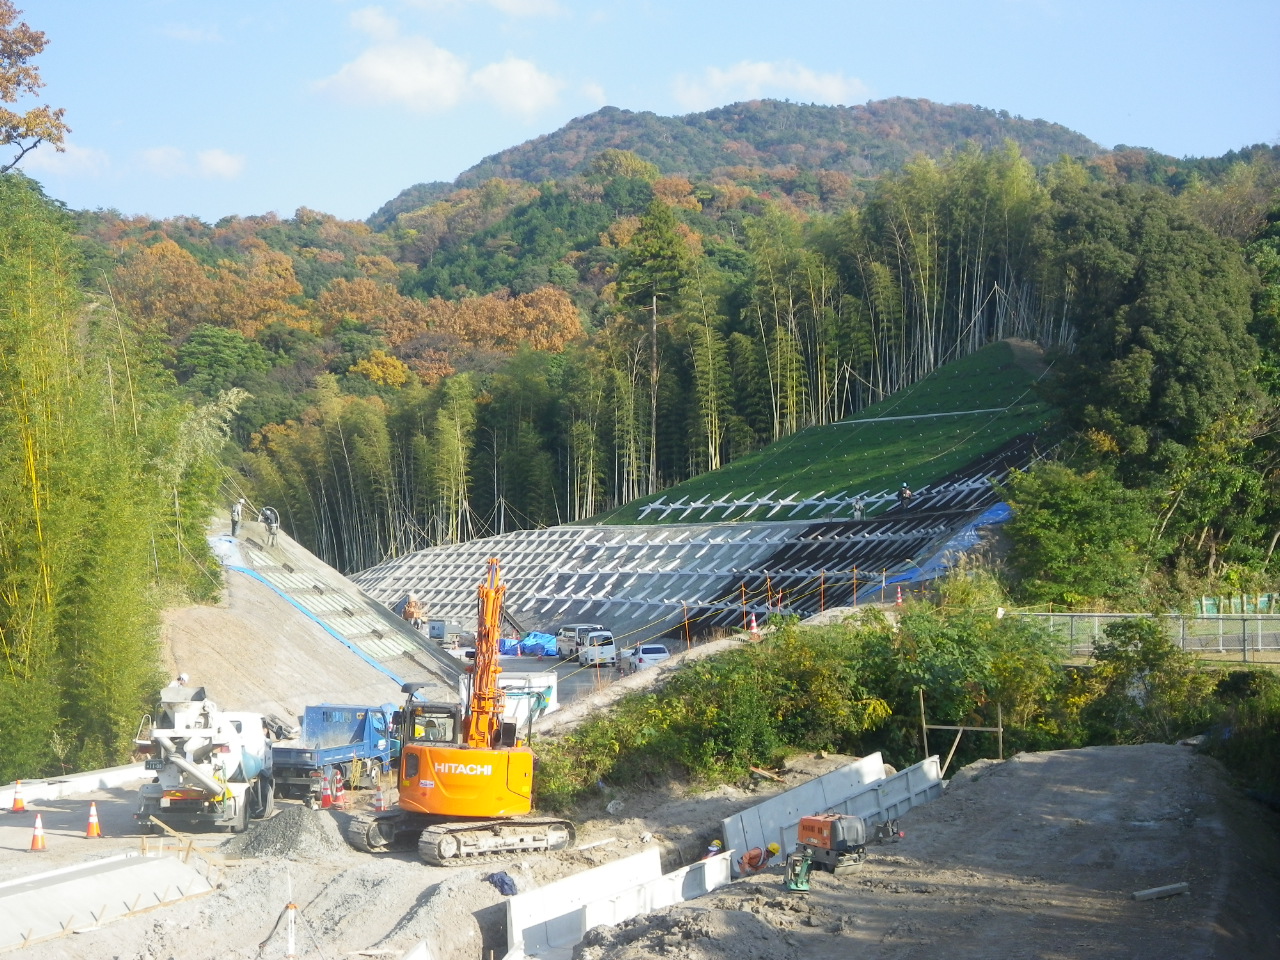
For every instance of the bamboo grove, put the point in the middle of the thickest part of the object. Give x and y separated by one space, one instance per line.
511 355
105 488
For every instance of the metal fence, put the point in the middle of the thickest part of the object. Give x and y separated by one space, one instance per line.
1242 637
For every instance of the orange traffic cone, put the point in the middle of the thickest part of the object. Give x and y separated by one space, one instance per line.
326 798
37 837
754 630
93 830
899 603
380 800
339 795
19 805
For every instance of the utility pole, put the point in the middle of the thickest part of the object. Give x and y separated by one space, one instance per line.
653 398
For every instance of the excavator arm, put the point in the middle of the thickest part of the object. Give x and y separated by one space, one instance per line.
484 711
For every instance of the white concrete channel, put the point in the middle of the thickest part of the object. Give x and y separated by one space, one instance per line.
548 922
38 907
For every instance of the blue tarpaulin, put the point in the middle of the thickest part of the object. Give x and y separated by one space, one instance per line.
538 645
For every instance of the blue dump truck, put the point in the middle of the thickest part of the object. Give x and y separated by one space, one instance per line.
357 742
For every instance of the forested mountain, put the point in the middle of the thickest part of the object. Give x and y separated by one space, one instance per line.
759 137
514 352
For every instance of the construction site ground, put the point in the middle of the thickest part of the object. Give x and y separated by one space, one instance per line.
1035 857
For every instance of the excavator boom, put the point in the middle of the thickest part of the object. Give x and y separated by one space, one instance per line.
484 712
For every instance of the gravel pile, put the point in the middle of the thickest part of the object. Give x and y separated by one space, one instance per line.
296 832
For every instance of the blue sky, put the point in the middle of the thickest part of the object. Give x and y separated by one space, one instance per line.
235 107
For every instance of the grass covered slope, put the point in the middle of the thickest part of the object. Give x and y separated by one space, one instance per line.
956 415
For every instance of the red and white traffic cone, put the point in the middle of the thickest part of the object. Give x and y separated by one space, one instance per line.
380 800
93 830
326 798
755 631
899 603
19 805
37 837
339 795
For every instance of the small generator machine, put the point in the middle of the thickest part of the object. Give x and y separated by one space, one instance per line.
833 842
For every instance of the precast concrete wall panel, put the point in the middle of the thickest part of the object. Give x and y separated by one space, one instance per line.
551 917
777 819
550 921
859 789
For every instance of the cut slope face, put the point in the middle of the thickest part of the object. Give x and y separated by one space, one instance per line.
291 631
798 544
958 415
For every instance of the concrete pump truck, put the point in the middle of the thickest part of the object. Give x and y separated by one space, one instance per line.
465 778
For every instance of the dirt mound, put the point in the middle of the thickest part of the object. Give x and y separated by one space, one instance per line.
296 832
690 933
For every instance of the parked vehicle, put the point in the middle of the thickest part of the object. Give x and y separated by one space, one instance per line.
649 654
355 742
598 648
212 767
569 638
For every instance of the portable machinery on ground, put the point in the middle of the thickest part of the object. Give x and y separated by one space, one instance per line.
833 842
355 742
465 778
212 767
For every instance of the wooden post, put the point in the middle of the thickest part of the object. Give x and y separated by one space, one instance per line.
684 608
1000 732
924 729
822 590
745 625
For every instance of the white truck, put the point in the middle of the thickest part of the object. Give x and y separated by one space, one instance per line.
212 767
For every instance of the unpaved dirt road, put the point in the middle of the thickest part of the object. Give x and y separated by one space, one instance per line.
1036 857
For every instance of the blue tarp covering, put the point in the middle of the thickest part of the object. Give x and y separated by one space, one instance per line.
533 645
965 539
538 645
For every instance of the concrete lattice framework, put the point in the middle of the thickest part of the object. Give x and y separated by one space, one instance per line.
644 581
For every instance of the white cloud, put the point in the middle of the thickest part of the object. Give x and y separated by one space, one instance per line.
413 72
218 164
594 93
752 80
172 162
375 22
74 161
517 86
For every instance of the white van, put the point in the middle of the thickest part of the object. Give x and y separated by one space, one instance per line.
598 648
570 637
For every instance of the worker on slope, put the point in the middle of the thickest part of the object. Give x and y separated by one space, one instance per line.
413 612
713 849
237 514
271 520
755 859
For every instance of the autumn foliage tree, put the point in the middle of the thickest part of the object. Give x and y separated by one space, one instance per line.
19 77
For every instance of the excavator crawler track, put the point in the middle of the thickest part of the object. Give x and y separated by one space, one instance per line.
373 832
486 841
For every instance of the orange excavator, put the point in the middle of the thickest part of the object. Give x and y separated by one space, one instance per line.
465 779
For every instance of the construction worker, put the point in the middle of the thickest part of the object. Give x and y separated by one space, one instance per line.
755 859
413 612
713 848
271 519
904 496
237 514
